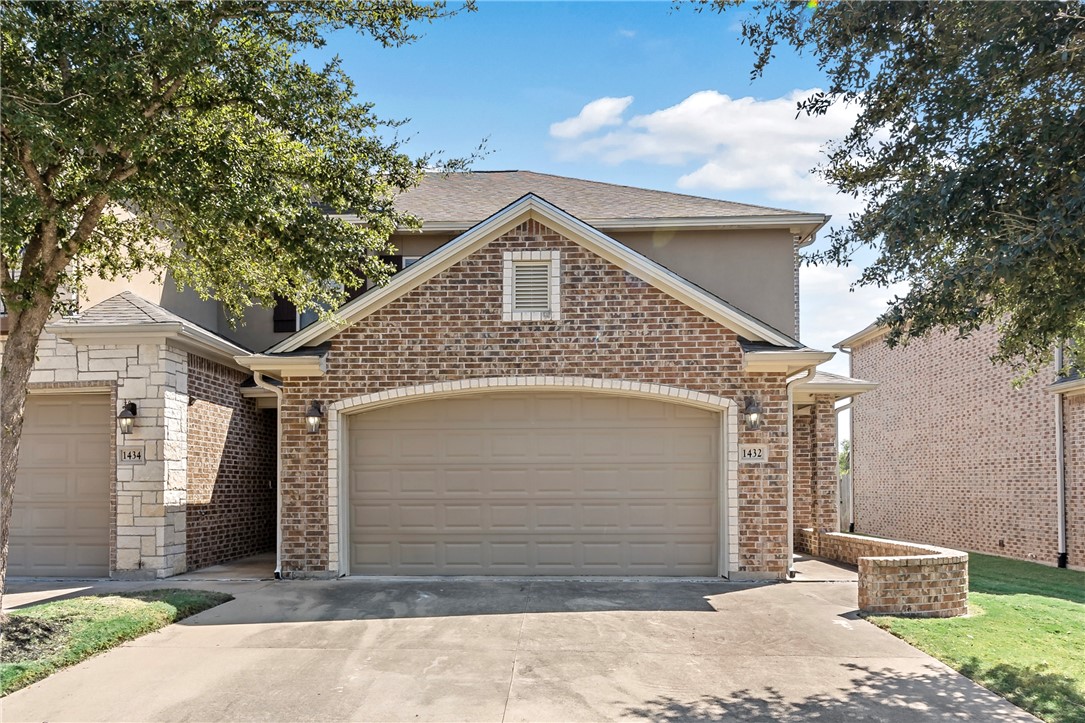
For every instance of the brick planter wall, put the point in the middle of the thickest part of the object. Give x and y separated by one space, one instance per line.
612 326
897 578
231 468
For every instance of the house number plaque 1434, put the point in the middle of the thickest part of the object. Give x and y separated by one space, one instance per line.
131 454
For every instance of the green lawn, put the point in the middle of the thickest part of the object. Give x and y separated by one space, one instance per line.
1024 638
41 639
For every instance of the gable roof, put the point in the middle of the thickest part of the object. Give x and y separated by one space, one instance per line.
124 308
457 201
129 317
533 207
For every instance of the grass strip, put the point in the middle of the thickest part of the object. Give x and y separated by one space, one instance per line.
41 639
1024 638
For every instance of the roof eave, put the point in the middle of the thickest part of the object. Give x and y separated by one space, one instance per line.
1067 387
866 334
285 367
187 336
788 361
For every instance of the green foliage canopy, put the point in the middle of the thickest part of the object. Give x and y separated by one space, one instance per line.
968 155
187 135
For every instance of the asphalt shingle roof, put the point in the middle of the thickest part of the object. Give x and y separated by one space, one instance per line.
472 196
122 309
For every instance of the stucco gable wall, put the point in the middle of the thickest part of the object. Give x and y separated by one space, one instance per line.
612 325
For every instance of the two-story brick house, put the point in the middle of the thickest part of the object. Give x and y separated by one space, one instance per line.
554 383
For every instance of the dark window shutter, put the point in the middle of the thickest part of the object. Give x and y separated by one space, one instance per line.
285 316
395 260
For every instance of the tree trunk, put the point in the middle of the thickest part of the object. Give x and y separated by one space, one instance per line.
20 352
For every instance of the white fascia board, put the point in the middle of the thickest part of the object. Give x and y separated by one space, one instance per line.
283 367
658 276
187 336
841 390
788 361
813 220
532 206
1068 387
861 336
406 280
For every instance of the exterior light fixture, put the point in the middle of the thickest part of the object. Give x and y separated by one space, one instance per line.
753 414
127 417
313 417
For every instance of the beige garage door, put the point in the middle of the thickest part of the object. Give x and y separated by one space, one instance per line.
60 520
534 484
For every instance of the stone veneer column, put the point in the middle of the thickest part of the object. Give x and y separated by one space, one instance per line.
151 496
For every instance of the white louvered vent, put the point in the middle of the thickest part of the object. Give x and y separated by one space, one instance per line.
531 286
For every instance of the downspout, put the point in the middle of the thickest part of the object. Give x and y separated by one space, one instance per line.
806 374
1060 467
263 383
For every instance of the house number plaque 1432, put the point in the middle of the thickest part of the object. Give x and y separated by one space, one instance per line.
752 453
131 454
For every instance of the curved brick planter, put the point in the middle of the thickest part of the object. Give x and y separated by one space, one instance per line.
897 578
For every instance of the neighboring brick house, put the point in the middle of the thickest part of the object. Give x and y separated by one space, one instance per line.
553 384
946 450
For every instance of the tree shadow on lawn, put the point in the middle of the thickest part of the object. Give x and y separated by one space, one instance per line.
872 695
1051 695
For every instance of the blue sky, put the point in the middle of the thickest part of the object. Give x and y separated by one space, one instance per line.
625 92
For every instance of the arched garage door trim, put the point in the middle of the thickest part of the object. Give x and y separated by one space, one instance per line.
339 528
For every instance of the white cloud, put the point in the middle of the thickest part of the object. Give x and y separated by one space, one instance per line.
630 34
745 144
766 151
592 117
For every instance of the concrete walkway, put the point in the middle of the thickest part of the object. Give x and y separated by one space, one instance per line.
513 650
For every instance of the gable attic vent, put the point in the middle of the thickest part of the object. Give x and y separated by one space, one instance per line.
532 285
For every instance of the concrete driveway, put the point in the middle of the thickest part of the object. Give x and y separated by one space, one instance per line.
538 650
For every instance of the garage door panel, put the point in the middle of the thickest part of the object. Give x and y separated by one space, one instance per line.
536 483
61 512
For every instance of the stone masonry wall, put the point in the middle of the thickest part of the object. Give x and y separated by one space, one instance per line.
612 325
148 535
947 451
231 468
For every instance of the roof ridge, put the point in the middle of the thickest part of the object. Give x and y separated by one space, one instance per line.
639 189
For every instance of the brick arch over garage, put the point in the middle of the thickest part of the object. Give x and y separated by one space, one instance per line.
337 427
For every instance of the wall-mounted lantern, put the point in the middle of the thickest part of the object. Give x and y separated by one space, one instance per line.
313 417
127 417
753 414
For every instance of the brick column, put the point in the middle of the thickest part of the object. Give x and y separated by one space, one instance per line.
826 506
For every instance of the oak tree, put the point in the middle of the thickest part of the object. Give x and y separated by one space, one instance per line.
967 155
188 137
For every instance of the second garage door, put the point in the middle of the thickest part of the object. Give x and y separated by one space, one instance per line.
534 484
60 519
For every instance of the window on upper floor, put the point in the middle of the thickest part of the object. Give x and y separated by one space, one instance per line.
532 286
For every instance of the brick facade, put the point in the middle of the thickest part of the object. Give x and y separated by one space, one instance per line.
1074 430
816 501
612 326
231 468
947 451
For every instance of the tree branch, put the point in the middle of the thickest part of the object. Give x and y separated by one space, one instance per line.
41 188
